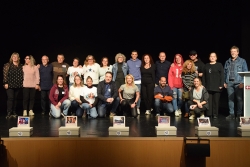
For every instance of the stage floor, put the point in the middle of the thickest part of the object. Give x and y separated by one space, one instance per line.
142 126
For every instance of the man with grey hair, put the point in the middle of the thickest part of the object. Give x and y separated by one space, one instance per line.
60 68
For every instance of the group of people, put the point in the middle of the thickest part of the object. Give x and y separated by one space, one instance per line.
98 90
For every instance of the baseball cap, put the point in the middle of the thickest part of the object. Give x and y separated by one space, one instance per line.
192 52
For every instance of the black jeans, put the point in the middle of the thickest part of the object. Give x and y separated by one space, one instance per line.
28 98
12 98
126 107
45 103
147 92
213 102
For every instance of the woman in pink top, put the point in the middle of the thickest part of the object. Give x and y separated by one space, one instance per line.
31 80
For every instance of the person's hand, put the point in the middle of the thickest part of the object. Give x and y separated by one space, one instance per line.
90 105
189 88
132 105
172 65
241 85
37 87
38 66
200 74
59 104
6 86
121 100
196 72
193 107
199 105
225 85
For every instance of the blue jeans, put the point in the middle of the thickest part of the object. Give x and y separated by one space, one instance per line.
186 105
56 112
177 98
92 111
103 107
76 108
159 105
234 90
138 104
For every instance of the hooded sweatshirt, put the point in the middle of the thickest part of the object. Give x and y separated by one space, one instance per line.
174 75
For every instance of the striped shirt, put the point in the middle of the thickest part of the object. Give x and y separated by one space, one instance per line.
188 79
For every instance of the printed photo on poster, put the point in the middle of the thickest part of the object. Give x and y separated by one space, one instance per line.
163 121
245 121
119 121
23 122
71 121
204 122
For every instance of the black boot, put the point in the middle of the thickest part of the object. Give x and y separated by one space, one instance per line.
14 114
8 114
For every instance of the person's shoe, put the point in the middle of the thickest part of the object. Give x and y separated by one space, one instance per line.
176 113
31 113
147 112
215 117
157 115
191 117
111 114
24 113
186 115
43 112
73 114
231 116
8 114
179 111
62 114
202 116
138 111
50 115
14 114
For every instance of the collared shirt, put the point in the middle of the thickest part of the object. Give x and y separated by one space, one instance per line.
107 93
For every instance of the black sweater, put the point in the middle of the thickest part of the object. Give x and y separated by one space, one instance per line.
148 75
213 77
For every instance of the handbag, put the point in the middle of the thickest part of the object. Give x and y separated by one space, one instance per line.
185 95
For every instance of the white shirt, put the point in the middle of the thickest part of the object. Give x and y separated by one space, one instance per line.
103 71
92 71
72 70
86 92
75 92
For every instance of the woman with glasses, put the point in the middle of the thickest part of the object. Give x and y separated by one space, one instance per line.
12 82
31 81
91 68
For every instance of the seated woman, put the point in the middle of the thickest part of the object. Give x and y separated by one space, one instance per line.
130 95
89 99
198 101
74 94
58 96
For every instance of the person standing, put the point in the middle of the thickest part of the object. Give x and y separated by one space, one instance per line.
188 74
199 65
175 83
119 70
46 82
74 71
91 68
162 67
134 65
213 78
30 84
12 82
104 68
234 83
147 80
60 68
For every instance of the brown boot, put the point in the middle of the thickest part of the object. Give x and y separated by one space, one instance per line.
186 115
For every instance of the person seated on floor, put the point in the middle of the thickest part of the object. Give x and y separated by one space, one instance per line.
58 96
89 99
107 95
163 97
198 99
129 95
74 94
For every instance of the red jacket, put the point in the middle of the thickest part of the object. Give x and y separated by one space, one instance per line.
54 92
174 74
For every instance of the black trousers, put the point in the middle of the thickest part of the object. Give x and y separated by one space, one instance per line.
12 94
213 102
198 110
28 98
45 103
125 104
119 82
147 92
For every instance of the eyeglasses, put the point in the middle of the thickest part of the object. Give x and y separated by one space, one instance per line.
27 58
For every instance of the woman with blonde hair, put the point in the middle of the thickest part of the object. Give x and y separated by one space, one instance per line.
120 69
31 81
188 74
12 82
91 68
129 95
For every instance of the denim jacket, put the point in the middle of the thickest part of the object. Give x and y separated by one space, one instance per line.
115 69
240 66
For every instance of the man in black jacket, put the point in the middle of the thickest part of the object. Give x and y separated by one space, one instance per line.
108 96
199 65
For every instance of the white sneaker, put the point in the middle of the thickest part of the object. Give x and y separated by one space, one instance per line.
191 117
138 111
202 116
179 111
147 112
176 113
31 113
24 113
157 115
